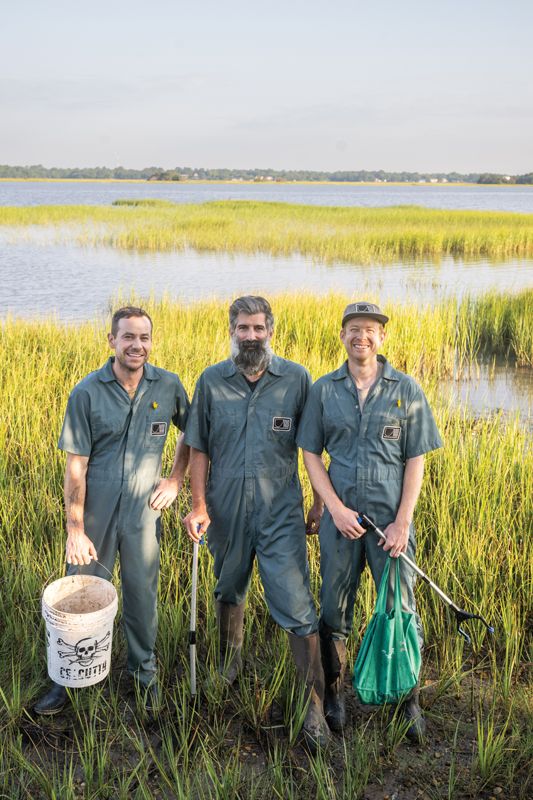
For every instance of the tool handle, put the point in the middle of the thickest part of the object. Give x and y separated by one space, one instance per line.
194 589
366 522
192 625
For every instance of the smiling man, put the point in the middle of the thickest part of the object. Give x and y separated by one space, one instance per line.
115 427
376 426
242 426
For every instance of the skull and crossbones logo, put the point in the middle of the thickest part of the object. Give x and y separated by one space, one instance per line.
85 650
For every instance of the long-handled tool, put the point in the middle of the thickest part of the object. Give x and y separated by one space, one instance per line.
460 614
192 626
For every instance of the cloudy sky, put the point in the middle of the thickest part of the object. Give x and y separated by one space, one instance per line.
390 84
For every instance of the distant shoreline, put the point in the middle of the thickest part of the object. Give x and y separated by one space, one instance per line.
234 182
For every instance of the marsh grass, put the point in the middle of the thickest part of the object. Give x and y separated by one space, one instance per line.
474 531
349 235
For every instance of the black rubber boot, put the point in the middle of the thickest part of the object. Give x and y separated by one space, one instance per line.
230 619
413 713
334 663
52 702
306 655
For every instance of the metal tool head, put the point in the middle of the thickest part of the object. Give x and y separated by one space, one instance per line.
461 615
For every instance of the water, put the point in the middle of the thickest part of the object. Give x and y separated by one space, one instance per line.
40 276
488 388
448 196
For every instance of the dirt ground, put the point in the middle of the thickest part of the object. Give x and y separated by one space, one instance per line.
441 768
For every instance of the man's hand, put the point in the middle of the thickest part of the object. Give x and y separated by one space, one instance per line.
314 515
397 534
196 523
346 522
79 548
165 493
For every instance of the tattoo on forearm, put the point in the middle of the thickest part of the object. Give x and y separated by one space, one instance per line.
74 496
74 499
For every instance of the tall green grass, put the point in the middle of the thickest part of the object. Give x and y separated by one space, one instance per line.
350 235
474 530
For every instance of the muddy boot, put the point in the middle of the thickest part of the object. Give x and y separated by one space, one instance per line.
230 619
306 655
334 663
52 702
148 697
413 714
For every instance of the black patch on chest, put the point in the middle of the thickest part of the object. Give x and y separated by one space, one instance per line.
281 424
158 428
391 432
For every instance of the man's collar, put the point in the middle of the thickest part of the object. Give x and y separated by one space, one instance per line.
106 374
389 373
341 372
150 372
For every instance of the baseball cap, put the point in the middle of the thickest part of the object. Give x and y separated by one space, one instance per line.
363 309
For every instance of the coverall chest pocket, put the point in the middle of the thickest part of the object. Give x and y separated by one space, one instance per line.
108 426
339 429
390 431
156 429
334 420
224 423
280 428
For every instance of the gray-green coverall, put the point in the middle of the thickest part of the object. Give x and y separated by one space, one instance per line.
253 494
124 440
368 450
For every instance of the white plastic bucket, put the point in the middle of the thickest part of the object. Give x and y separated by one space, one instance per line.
79 611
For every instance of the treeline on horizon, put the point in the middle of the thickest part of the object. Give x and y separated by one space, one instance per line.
258 175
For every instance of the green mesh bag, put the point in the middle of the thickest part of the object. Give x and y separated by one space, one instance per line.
388 662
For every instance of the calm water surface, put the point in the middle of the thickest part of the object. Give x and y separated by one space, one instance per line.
40 276
489 388
477 198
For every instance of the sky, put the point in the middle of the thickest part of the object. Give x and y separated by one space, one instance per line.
417 85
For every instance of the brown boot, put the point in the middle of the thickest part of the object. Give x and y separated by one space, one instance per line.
413 714
334 662
230 619
306 655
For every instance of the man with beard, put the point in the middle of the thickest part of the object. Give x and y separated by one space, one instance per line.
241 430
115 427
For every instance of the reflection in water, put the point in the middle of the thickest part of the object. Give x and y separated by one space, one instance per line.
493 387
40 276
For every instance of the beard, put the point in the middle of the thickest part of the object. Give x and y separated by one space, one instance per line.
251 357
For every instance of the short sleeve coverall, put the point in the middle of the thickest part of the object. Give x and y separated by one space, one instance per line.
124 441
253 495
368 450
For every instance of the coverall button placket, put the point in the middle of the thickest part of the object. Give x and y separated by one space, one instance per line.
249 442
129 471
349 385
252 446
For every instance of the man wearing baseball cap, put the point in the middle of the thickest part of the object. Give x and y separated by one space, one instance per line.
376 426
